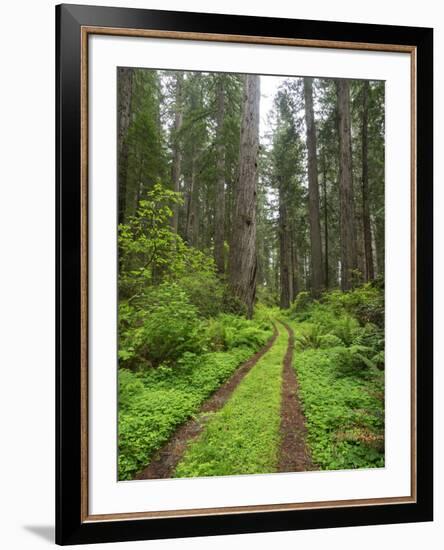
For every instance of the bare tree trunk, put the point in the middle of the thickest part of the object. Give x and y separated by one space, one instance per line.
317 275
191 203
294 263
348 236
242 258
219 208
324 189
369 269
177 154
125 83
286 278
374 248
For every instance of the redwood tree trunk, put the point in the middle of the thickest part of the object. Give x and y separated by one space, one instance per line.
294 261
191 206
317 275
125 83
324 190
177 155
369 269
285 259
242 258
219 210
348 236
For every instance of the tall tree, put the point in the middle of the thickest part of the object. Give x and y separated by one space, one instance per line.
347 217
369 269
219 213
285 249
324 192
317 272
242 257
125 90
177 154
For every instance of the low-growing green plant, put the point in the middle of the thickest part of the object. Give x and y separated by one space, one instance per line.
153 402
330 341
300 305
344 416
228 331
243 437
311 336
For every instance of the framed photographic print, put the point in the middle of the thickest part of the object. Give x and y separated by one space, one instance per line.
244 268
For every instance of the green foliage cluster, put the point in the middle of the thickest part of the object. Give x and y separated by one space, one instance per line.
162 331
344 412
149 251
243 437
353 320
166 288
339 362
154 401
175 345
228 331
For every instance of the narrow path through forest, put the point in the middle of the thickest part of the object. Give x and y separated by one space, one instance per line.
294 455
166 459
223 445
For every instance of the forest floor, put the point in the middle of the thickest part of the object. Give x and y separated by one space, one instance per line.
252 424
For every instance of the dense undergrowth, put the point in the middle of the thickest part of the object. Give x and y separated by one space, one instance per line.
339 361
180 334
154 401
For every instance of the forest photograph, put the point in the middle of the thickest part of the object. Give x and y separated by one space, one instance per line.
250 274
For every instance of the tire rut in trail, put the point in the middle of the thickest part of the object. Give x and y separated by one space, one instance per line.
294 455
167 457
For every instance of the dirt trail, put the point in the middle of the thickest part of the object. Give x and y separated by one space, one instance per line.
166 459
294 455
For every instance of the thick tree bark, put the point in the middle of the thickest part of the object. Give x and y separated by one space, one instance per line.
219 209
347 221
369 269
125 83
324 190
285 256
295 266
317 272
177 154
374 248
242 257
191 204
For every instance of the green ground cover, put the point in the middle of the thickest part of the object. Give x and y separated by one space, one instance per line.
154 401
339 364
243 437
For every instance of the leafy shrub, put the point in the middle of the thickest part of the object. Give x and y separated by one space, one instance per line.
346 329
366 303
329 341
150 252
228 331
300 305
310 337
204 291
166 327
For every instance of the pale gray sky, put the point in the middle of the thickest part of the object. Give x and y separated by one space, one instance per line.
269 88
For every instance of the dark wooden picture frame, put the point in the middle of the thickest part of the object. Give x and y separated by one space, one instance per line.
74 23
